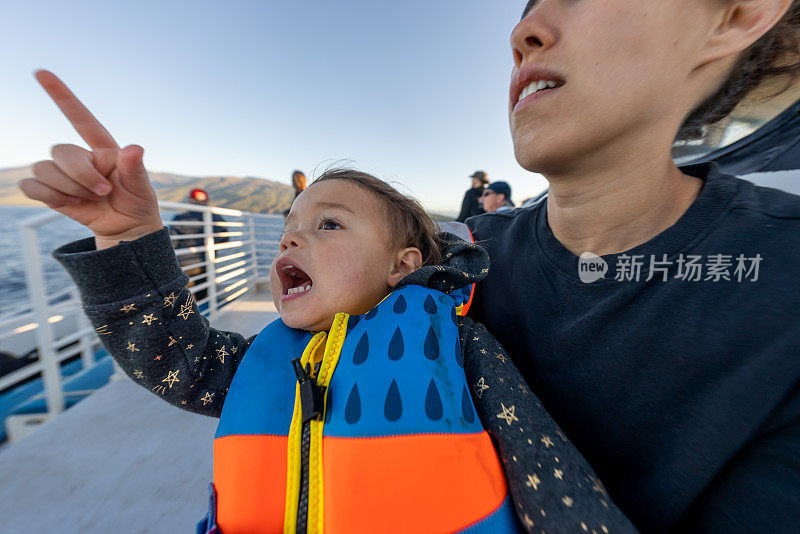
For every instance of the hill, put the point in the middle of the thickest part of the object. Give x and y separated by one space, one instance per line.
247 194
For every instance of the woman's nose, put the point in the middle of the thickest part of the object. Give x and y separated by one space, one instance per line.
534 33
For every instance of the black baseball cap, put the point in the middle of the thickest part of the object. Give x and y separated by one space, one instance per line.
502 188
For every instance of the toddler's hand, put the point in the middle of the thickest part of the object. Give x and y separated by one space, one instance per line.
107 189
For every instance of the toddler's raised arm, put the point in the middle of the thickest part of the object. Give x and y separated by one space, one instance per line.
132 288
136 298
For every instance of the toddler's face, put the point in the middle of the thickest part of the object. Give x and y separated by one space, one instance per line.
334 256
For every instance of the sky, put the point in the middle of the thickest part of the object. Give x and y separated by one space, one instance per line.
414 92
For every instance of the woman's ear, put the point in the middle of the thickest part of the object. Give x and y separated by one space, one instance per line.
407 261
742 23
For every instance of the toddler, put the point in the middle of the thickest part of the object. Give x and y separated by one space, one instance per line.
352 412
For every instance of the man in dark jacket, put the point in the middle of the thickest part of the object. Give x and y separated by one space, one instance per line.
471 205
199 197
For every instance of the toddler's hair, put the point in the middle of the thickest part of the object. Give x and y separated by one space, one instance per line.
408 223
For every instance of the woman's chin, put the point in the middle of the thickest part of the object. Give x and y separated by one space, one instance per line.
531 159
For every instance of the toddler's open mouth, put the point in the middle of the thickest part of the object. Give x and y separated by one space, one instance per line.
294 280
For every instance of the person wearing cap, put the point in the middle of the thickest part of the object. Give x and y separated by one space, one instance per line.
199 197
471 205
497 197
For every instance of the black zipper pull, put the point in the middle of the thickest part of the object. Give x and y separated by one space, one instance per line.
311 394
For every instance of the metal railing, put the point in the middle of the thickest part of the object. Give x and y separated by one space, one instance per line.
226 253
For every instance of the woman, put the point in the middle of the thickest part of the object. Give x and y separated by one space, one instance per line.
668 353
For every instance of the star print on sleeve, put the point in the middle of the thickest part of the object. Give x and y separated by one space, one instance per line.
138 374
480 386
169 300
207 398
596 485
103 330
507 414
528 521
172 377
148 318
186 309
221 353
127 308
132 347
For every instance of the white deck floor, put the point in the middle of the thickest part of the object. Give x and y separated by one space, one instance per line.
120 461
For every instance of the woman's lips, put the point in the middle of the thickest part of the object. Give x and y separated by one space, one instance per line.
533 97
524 81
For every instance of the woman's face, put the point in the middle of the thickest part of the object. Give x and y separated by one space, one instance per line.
622 73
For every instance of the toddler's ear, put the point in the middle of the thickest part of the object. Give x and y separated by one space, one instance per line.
408 260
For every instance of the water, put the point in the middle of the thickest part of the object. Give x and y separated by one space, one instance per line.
13 290
62 230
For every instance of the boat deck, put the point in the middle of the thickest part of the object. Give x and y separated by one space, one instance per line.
120 460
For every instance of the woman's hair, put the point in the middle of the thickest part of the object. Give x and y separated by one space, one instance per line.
298 180
775 54
408 223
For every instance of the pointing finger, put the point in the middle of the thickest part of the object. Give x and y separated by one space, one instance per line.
87 126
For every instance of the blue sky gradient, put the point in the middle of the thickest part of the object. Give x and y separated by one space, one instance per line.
413 91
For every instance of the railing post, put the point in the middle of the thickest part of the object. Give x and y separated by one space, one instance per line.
87 352
51 370
254 251
211 269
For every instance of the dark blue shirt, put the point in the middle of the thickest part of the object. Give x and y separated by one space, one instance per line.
682 390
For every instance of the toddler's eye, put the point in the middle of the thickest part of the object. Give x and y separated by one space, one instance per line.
329 224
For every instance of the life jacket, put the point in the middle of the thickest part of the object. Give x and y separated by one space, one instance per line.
381 435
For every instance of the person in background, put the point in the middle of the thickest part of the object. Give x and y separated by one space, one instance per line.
471 205
497 197
199 197
299 184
